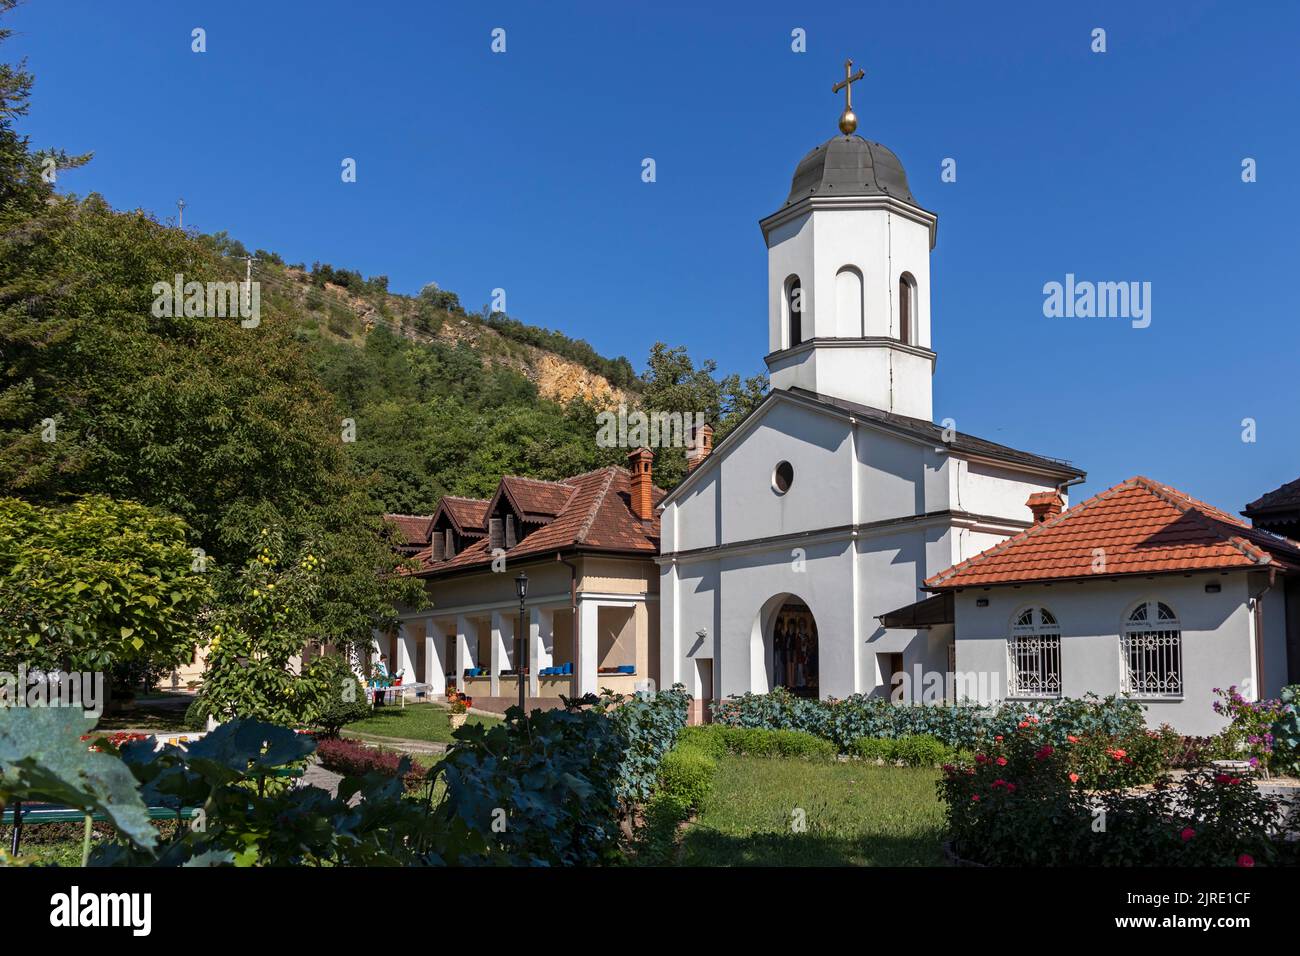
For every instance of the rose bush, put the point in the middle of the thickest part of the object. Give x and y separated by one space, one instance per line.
1024 800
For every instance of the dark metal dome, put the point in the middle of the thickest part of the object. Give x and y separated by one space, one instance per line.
849 166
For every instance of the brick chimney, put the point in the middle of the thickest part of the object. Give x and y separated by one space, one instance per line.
1045 504
698 446
639 463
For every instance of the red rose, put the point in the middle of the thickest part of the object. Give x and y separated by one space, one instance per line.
1187 834
1074 778
1245 860
1001 761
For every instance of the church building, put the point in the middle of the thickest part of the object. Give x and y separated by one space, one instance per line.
838 496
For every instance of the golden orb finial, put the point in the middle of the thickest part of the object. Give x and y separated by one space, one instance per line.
848 119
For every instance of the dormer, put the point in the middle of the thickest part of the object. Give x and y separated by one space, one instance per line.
457 524
521 506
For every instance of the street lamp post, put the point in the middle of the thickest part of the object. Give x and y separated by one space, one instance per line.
521 586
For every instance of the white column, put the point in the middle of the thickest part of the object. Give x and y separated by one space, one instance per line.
405 652
670 642
435 648
588 639
541 645
465 649
502 635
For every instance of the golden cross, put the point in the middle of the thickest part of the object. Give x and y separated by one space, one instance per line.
848 121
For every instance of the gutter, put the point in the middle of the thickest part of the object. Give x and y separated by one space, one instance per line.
1258 611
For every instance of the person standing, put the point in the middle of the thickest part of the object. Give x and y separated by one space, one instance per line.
379 680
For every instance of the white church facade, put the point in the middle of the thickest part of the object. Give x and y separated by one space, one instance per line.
838 496
839 542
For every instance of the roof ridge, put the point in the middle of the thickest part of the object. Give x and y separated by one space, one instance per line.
481 501
585 527
536 481
1192 508
1031 530
1262 502
594 471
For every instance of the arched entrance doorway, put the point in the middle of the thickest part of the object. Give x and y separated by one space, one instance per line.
794 656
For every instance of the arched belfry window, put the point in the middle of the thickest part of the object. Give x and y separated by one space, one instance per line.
794 310
907 309
849 318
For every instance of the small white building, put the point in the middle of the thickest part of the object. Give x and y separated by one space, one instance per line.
1141 590
835 499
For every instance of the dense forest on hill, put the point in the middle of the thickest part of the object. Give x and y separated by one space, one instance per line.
168 477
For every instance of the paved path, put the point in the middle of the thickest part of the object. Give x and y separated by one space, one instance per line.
404 744
317 776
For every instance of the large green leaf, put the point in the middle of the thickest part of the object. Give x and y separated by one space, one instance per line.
44 759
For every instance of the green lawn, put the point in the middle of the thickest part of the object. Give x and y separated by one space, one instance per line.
412 722
856 814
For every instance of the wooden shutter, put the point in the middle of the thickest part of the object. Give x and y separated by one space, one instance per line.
496 533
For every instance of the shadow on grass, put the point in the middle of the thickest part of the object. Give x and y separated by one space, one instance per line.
707 847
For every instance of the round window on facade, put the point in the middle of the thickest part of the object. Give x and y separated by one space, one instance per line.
782 478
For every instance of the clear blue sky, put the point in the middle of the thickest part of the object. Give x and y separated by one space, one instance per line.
522 170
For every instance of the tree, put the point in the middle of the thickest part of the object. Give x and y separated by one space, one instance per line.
96 584
266 622
672 383
225 426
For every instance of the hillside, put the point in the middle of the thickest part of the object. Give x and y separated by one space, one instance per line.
349 312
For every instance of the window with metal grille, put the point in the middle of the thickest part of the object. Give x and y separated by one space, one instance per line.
1034 655
1151 652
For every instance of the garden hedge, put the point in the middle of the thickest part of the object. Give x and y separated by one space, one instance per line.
957 725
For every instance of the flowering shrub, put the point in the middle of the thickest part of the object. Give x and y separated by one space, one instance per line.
1250 735
1286 733
1193 752
116 741
957 725
1204 819
1024 800
1128 761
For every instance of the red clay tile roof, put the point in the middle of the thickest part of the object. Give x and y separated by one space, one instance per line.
1144 527
413 529
595 515
1285 498
468 514
531 499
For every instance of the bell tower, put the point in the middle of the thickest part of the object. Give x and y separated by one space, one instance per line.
848 259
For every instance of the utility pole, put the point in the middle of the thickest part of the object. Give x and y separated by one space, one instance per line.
180 213
248 280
